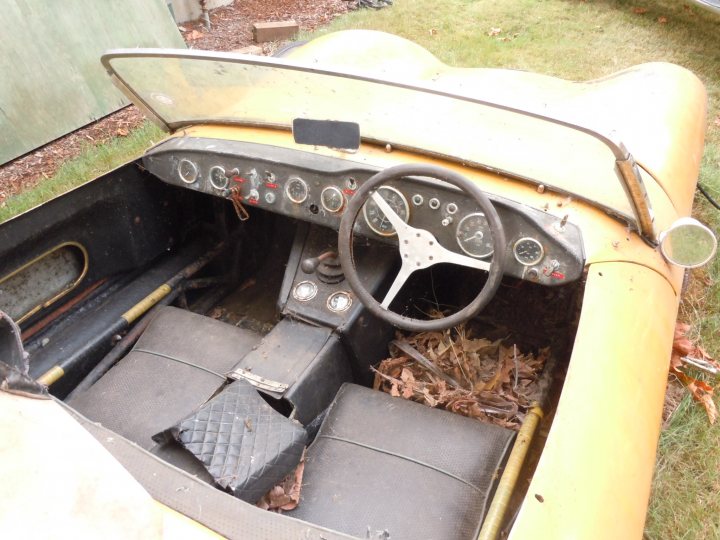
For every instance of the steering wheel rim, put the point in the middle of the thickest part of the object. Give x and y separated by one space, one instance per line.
494 268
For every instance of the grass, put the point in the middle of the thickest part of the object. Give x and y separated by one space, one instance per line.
577 40
93 161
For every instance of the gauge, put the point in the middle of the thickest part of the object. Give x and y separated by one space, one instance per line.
528 251
332 199
473 235
376 219
304 291
339 301
296 189
187 171
218 178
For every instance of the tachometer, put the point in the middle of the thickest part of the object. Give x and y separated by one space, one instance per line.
296 189
473 235
376 219
528 251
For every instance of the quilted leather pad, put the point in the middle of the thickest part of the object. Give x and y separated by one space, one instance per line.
244 444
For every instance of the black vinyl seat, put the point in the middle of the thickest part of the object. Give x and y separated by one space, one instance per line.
381 463
178 363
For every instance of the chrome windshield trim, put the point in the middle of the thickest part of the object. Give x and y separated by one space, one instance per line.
624 163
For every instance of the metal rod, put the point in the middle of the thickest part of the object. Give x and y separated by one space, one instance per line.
496 513
122 346
501 500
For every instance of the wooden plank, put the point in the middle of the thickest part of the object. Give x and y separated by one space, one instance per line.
52 81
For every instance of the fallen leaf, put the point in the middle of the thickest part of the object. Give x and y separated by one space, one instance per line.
494 31
285 495
433 32
501 380
182 28
194 35
662 20
122 132
640 10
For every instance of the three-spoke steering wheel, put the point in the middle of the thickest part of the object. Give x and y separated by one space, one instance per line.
419 249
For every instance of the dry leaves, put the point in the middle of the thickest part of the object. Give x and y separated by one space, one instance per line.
497 382
286 495
700 390
662 20
193 35
496 33
640 10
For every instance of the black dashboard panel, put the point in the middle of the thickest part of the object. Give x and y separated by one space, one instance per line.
315 189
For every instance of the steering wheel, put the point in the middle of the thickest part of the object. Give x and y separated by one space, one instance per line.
419 248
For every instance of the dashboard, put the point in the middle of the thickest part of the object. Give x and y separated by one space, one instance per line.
314 188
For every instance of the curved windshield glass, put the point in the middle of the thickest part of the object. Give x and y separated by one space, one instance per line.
183 88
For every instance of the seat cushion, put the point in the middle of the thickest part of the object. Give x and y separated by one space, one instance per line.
179 362
387 464
245 444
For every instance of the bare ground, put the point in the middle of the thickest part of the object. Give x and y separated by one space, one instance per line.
231 28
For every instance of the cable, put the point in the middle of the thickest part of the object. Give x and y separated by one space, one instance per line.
708 197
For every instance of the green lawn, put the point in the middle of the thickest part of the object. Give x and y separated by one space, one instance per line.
578 40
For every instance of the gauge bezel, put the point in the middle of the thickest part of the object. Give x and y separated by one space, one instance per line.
290 181
339 192
467 252
529 239
212 182
194 173
338 293
407 212
306 282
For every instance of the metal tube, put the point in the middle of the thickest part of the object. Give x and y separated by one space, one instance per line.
496 513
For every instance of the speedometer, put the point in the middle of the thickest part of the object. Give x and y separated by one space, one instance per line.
376 219
473 235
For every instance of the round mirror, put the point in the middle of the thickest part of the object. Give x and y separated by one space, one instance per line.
688 243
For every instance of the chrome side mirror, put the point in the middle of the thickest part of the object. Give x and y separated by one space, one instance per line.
688 243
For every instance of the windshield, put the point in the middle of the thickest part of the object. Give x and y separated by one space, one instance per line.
183 88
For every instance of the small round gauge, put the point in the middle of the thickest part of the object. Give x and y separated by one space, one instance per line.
218 178
304 291
473 235
296 189
376 219
339 301
187 171
528 251
332 199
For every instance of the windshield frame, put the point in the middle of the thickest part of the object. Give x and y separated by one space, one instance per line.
625 166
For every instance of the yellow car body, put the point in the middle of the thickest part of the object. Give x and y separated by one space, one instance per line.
593 477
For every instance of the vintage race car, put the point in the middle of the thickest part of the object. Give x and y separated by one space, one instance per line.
207 318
